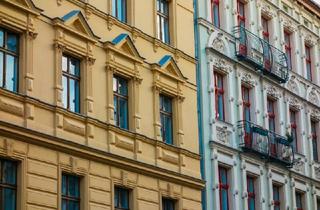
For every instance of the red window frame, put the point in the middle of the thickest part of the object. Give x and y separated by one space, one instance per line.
271 113
224 186
241 17
299 196
219 91
272 120
308 61
265 28
314 139
287 46
294 126
276 203
251 195
215 3
246 101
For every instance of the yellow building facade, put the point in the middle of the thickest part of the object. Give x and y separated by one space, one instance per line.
48 139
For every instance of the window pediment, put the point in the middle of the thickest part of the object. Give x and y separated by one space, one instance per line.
75 23
26 5
124 46
168 67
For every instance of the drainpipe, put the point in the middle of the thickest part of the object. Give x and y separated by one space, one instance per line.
199 102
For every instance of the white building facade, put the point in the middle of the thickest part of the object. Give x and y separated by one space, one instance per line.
259 105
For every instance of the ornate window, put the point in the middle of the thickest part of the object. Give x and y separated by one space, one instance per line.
71 83
265 28
314 139
251 193
223 188
120 102
70 192
276 197
168 98
119 10
294 127
168 204
121 198
9 60
123 83
299 201
72 61
163 21
246 103
287 46
166 119
241 13
271 114
308 62
219 96
8 184
215 13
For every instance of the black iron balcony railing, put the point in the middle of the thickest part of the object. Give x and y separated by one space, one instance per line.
267 144
265 57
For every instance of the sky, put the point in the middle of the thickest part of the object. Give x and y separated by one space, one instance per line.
318 1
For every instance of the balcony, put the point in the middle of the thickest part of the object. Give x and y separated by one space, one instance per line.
259 53
267 144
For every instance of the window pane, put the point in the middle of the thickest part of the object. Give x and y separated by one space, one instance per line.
77 96
251 204
65 92
1 68
123 87
64 205
115 104
168 130
74 95
64 185
220 107
124 198
166 31
166 104
1 38
64 63
123 113
9 173
73 205
12 42
74 67
224 199
159 27
216 15
11 73
9 198
73 185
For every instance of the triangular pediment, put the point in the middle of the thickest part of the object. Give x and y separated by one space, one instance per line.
124 44
77 22
169 66
25 4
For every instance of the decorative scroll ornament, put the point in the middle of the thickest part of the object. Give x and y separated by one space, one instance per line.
294 102
315 114
298 165
266 11
223 134
222 65
247 79
317 172
218 44
313 97
309 40
273 92
293 85
288 25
